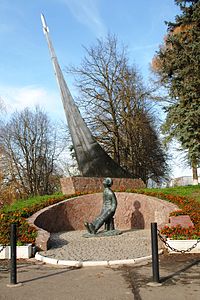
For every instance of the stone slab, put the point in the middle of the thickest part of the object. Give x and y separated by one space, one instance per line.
103 233
183 220
72 185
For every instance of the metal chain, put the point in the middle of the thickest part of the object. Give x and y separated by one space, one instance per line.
3 247
176 250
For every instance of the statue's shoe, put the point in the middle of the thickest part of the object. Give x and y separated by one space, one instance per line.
87 227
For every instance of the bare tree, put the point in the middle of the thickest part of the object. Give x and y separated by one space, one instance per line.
117 109
30 150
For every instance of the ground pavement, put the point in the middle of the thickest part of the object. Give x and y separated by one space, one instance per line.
179 274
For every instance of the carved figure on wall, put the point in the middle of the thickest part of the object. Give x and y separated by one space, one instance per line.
108 210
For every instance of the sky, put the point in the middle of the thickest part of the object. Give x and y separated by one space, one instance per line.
26 73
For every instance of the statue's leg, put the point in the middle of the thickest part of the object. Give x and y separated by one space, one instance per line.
112 226
101 219
109 224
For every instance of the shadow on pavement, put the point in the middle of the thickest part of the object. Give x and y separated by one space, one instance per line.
165 278
48 275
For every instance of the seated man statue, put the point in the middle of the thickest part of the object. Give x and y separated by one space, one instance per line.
107 212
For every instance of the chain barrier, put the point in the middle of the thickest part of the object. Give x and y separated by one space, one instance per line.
2 247
164 240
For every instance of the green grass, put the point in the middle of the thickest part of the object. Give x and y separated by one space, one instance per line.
27 203
186 191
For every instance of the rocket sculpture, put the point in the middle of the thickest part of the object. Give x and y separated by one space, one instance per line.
92 160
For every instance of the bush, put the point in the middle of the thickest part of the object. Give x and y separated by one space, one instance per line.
25 232
180 233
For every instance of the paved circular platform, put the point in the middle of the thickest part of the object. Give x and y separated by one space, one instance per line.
71 247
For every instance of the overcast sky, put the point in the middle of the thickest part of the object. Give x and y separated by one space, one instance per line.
26 74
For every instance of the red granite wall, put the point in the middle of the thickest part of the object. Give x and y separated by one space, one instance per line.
71 185
134 211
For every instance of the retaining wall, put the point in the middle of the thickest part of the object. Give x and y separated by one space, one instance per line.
134 211
71 185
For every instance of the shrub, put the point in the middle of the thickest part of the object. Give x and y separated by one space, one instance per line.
180 233
25 232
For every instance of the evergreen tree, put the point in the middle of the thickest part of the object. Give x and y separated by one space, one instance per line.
177 64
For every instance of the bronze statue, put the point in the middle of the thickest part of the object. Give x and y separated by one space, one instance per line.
107 212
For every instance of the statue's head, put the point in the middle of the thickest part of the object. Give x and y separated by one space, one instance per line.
107 182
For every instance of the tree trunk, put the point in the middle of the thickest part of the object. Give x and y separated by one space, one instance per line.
194 173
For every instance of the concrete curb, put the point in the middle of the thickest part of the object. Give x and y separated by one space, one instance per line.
99 263
103 263
70 263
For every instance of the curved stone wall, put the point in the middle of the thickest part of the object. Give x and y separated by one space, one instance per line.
134 211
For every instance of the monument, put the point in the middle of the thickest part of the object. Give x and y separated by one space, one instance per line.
93 162
107 213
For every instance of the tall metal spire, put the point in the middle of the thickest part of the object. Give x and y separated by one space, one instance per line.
92 160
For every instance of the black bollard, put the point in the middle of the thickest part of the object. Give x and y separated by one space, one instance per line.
13 261
154 245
